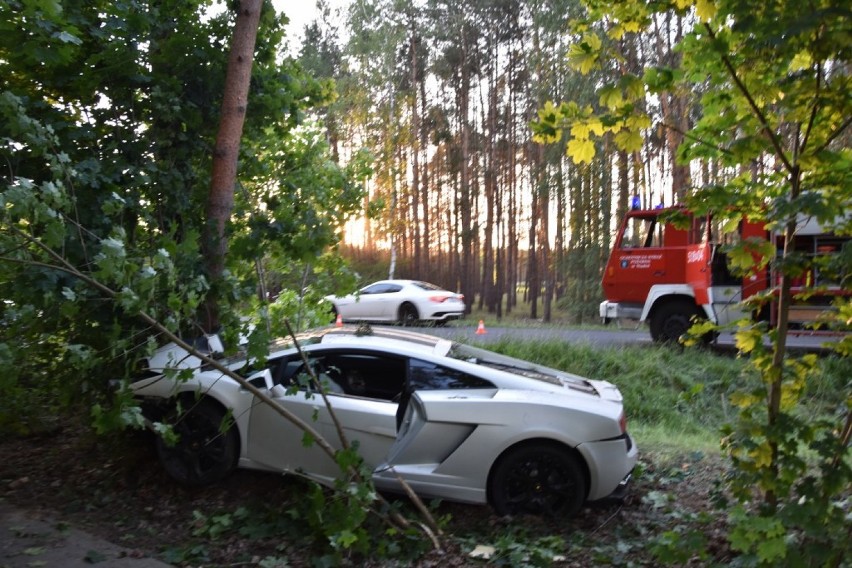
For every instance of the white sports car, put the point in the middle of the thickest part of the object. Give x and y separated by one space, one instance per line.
403 301
454 421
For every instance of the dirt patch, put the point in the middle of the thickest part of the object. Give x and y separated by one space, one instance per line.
117 491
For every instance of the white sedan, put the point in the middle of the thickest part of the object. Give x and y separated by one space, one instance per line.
403 301
455 422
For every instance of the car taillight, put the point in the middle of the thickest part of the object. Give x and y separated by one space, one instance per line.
439 299
622 422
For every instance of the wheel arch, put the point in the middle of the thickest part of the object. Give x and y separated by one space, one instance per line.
572 451
189 398
659 296
404 305
665 319
203 452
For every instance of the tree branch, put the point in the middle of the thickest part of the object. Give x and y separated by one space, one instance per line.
393 517
835 134
767 129
693 137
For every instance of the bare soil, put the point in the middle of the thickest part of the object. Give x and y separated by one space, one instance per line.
115 489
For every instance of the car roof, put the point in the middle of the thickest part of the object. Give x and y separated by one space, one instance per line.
393 340
379 336
523 375
392 281
404 282
364 336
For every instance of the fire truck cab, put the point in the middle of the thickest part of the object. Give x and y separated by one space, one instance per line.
667 275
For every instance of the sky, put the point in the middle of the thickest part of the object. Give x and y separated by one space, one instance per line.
301 13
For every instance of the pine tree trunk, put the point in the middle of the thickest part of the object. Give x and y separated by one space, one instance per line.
226 153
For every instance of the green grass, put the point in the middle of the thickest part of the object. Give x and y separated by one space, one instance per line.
675 399
666 442
519 316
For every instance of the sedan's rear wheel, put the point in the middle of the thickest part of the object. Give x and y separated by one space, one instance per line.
205 452
538 479
408 314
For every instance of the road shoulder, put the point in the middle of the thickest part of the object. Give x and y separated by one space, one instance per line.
31 538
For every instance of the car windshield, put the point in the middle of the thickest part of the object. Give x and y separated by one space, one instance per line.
426 286
518 367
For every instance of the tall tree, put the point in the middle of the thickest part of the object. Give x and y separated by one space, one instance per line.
459 66
776 113
106 146
226 151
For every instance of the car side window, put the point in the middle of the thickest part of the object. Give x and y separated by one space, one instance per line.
381 289
252 367
294 375
429 376
368 375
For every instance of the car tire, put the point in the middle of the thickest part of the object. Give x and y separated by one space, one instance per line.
204 452
539 479
671 320
408 314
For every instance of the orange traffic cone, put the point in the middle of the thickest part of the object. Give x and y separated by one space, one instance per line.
339 321
481 329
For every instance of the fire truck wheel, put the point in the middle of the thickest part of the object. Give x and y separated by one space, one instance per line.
671 320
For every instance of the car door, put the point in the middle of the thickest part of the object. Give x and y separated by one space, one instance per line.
276 443
371 382
439 411
379 301
387 302
350 307
363 305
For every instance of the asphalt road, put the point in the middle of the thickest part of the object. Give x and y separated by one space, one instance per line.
466 332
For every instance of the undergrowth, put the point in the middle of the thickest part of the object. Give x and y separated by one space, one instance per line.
674 393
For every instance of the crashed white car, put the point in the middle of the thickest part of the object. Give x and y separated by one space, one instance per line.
454 421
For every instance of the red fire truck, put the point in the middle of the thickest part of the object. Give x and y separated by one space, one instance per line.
666 276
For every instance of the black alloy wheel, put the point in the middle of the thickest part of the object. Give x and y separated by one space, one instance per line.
539 479
204 452
408 314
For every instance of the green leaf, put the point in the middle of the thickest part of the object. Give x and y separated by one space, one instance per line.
94 557
581 151
658 79
748 340
705 10
34 551
610 97
346 538
801 61
66 37
629 140
771 550
583 56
